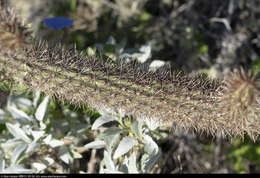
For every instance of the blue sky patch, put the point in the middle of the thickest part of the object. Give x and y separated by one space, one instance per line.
57 23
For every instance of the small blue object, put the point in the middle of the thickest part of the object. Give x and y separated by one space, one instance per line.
57 23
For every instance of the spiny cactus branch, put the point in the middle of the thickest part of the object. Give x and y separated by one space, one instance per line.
229 106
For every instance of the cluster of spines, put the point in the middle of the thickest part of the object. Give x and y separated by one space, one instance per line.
72 60
228 107
240 98
13 33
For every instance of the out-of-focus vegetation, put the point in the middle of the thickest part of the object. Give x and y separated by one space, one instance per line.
193 35
212 37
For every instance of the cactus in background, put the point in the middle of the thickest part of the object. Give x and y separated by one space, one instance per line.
229 106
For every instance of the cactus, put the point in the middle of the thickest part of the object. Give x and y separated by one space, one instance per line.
227 106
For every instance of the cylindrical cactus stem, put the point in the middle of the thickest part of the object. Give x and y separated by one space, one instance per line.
229 106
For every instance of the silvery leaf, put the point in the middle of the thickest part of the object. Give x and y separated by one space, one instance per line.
37 135
23 102
36 98
47 140
152 124
55 143
11 143
2 165
49 161
91 51
145 53
110 141
42 126
19 115
39 166
17 132
108 161
132 164
101 120
32 147
156 64
136 128
20 101
75 154
41 110
17 152
95 144
150 146
17 169
65 155
109 132
107 171
124 146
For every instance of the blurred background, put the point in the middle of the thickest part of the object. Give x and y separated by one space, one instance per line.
211 37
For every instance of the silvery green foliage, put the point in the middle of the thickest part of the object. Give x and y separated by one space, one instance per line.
118 51
29 130
141 54
13 169
125 142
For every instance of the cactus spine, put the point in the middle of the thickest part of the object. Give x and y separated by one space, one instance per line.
229 106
